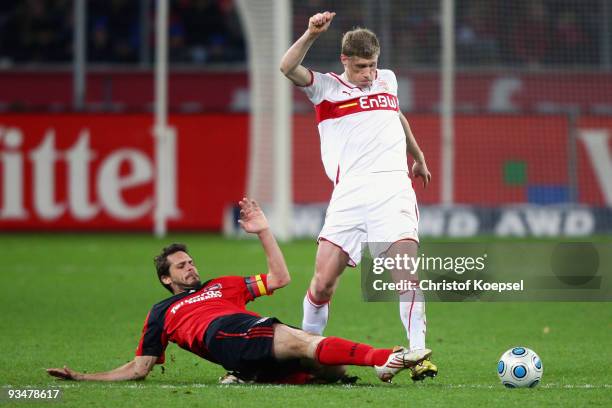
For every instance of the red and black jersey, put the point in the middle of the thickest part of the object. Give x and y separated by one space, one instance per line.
184 318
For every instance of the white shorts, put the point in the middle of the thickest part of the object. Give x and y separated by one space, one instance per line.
375 208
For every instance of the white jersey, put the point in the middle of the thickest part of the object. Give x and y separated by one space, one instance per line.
360 129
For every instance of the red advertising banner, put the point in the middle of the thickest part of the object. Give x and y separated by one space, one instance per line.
595 160
97 171
498 160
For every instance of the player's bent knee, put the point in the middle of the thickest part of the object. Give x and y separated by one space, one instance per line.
290 342
324 284
322 289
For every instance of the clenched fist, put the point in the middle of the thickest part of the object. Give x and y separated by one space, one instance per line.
320 22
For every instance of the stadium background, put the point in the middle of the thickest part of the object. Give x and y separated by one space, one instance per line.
532 113
532 158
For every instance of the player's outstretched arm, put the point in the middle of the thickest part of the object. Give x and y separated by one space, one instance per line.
253 220
291 62
137 369
419 168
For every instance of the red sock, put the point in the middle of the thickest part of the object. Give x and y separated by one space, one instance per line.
337 351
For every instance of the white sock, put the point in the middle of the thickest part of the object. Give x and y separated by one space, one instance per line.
315 316
412 313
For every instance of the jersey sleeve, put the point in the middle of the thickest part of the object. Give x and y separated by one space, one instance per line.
318 87
256 286
153 341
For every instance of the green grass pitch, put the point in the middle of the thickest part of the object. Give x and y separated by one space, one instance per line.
81 300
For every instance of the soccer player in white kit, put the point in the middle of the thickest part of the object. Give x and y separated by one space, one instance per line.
364 144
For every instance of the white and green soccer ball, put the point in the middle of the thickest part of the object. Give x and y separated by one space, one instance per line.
520 367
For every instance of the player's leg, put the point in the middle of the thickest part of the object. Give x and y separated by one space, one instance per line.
329 265
339 245
393 220
411 303
412 309
290 343
244 345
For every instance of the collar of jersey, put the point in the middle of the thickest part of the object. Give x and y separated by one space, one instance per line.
345 79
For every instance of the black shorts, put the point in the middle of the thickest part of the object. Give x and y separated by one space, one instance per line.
243 343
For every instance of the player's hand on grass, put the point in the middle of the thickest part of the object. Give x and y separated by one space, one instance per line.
320 22
252 218
63 373
419 169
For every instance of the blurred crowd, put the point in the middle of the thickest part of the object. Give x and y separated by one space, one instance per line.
488 32
532 32
201 31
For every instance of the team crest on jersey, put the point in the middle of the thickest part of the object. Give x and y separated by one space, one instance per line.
216 286
381 83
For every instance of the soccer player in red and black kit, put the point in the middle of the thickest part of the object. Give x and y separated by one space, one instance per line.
210 320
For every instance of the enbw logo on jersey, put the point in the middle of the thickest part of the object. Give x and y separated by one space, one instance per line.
378 101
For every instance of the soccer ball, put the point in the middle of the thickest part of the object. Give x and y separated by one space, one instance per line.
520 367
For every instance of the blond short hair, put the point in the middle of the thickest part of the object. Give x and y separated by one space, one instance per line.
360 42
